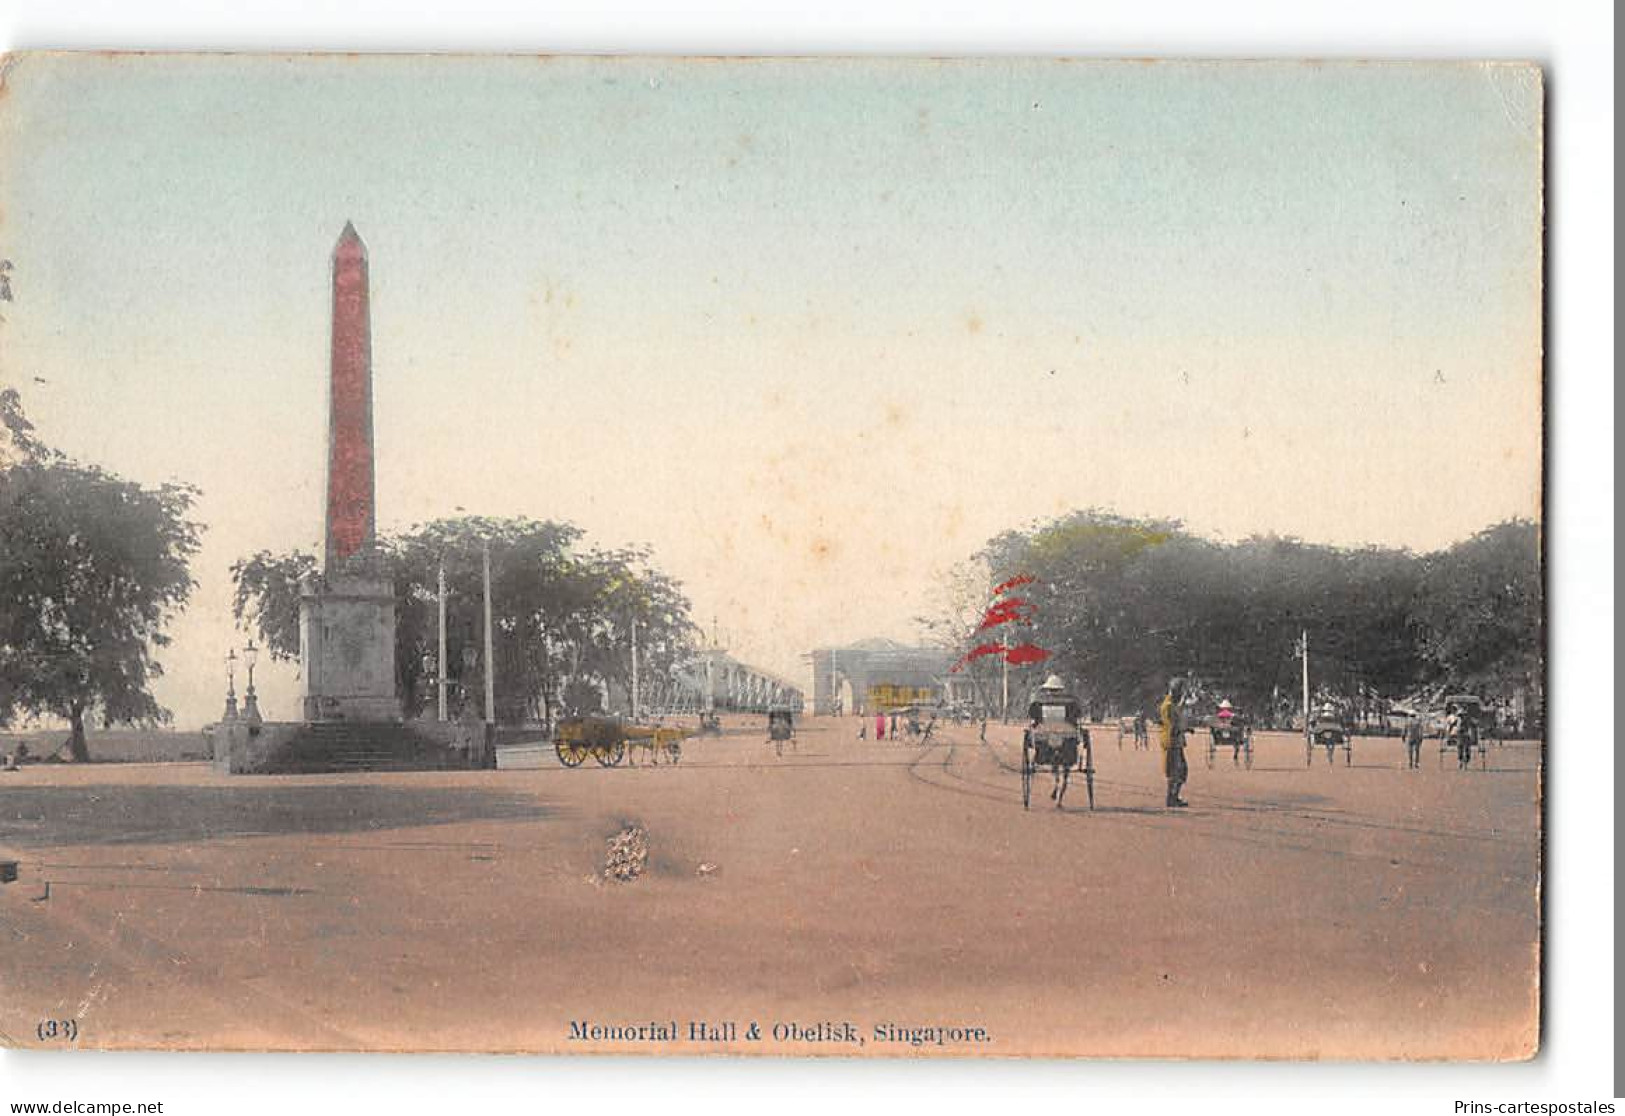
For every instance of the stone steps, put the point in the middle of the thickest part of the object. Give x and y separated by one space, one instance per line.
357 746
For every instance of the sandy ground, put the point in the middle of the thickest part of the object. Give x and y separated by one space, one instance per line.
1323 911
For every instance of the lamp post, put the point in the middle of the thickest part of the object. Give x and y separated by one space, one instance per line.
231 685
490 665
440 671
251 704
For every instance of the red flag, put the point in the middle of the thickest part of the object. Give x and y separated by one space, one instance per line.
1022 654
1008 611
1025 654
1018 580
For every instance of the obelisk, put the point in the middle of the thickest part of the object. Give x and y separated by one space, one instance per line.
347 613
351 523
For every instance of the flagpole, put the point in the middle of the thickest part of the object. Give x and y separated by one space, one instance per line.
1306 683
1004 708
490 666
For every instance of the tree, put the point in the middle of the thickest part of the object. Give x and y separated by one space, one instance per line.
1482 609
267 596
964 592
92 569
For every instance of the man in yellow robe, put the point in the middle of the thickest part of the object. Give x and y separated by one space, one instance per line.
1172 713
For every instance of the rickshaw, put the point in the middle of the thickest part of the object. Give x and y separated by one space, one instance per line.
1234 732
1056 745
781 728
1465 734
1327 730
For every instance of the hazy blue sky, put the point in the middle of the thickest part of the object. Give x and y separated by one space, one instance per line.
813 330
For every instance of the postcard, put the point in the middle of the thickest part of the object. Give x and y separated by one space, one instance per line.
857 557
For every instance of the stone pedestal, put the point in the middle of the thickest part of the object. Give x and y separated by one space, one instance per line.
347 648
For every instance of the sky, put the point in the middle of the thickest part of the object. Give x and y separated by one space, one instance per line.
811 330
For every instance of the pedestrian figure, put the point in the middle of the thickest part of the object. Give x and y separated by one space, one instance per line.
1464 731
1141 736
1413 741
880 726
1172 713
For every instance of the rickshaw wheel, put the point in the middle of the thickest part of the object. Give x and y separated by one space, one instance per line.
1026 773
1249 751
570 754
610 755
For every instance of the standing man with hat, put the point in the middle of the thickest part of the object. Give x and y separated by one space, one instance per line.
1172 713
1053 694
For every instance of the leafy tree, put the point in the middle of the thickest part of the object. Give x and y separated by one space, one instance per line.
267 595
1482 609
963 595
92 569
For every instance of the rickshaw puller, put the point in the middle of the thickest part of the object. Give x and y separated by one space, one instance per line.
1174 767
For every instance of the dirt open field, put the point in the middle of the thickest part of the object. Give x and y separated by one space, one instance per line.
1299 911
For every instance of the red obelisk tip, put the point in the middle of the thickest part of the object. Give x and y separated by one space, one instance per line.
350 242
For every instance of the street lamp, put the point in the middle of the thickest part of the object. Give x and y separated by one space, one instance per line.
231 685
251 705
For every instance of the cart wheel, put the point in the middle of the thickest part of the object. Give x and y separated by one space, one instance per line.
570 753
1026 773
1249 751
610 755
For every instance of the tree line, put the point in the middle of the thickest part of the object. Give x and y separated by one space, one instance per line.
562 614
1121 605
